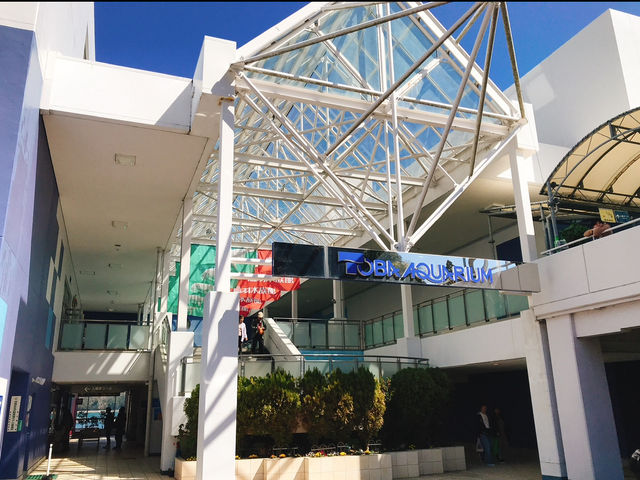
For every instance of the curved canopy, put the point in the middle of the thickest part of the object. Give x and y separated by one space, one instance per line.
604 166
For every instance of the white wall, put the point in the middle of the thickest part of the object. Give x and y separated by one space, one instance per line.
118 93
586 81
593 275
100 367
493 342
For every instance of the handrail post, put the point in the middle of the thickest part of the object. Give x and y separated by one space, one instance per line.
464 302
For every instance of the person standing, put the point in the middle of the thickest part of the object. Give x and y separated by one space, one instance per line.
242 334
258 326
108 425
500 443
484 435
119 424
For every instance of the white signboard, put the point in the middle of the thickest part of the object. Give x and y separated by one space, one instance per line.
14 414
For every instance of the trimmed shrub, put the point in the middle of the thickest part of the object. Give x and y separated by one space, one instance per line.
188 436
415 400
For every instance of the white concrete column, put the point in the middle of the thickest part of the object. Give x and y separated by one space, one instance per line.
225 197
218 387
294 303
543 398
523 207
185 261
584 406
338 298
180 345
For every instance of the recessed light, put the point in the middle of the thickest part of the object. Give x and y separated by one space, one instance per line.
125 160
119 224
109 309
115 265
87 272
113 293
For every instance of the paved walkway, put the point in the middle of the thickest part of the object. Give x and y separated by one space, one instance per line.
99 464
130 463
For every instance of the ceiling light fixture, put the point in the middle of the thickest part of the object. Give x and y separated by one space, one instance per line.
87 272
113 293
125 160
119 224
115 265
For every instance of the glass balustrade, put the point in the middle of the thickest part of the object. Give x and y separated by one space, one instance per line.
457 310
306 333
104 336
297 365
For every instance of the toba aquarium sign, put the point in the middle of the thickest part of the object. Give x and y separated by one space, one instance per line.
357 265
308 261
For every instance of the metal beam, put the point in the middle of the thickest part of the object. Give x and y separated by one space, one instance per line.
355 106
286 196
303 145
447 129
459 190
402 79
339 33
264 224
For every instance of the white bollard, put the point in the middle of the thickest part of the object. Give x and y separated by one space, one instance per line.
49 461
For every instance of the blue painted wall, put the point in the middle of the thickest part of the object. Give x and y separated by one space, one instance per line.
28 204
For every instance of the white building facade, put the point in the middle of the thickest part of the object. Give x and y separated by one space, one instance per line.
112 174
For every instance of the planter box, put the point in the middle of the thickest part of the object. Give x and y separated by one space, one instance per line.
347 468
290 468
185 470
453 459
430 461
250 469
405 464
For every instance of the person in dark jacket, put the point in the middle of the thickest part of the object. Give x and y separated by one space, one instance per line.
108 426
259 327
119 425
484 435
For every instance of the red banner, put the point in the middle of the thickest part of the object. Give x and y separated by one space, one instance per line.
254 294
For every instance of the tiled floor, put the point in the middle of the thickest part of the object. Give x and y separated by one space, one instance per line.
130 463
100 464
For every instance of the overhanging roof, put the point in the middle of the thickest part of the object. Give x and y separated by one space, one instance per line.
604 166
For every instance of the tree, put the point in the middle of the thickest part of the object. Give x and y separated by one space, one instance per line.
416 398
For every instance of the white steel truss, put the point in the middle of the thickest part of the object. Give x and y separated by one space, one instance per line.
353 117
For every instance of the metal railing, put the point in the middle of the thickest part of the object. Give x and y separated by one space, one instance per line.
89 335
579 241
325 334
381 366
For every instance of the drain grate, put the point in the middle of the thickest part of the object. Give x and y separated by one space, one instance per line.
40 477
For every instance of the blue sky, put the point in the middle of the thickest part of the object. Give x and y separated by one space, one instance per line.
166 37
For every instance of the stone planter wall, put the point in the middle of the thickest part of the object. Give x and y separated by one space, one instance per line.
453 459
405 464
384 466
250 469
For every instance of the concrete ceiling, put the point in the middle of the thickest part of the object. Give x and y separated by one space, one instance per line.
95 191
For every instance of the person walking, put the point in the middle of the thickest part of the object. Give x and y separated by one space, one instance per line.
108 426
258 326
119 424
242 334
484 435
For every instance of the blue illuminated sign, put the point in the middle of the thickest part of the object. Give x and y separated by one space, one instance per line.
312 261
356 264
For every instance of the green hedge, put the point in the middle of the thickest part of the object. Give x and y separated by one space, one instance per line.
339 407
